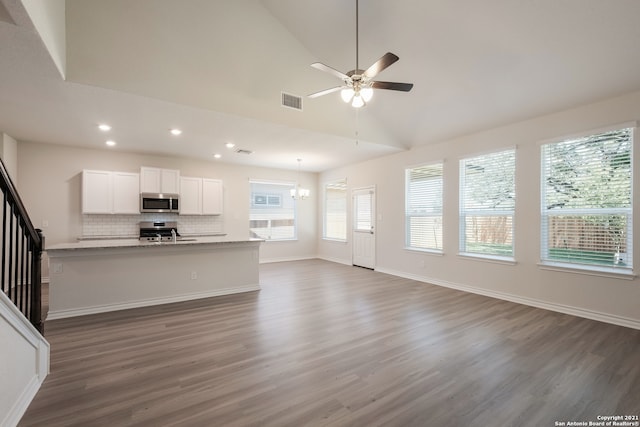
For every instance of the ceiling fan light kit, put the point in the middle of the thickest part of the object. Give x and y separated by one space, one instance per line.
347 94
359 84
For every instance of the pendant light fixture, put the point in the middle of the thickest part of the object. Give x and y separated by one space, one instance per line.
298 193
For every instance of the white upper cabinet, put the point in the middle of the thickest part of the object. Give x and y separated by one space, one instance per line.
156 180
170 181
126 193
97 194
190 196
212 197
107 192
200 196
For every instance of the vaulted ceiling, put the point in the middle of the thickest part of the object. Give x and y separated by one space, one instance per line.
216 69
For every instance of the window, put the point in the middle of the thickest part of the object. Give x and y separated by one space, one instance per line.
586 206
335 210
487 201
273 200
272 213
423 207
363 215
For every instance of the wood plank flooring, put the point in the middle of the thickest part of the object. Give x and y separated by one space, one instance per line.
324 344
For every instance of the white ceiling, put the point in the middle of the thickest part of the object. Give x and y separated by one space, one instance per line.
216 69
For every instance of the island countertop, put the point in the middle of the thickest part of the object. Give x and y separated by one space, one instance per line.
136 243
95 276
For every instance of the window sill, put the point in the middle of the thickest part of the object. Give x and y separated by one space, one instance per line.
488 258
610 272
435 252
328 239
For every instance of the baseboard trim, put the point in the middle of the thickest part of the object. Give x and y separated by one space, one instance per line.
560 308
336 260
22 404
62 314
286 259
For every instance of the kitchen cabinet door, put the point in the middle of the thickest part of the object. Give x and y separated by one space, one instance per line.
97 193
149 180
190 196
170 181
212 197
156 180
126 193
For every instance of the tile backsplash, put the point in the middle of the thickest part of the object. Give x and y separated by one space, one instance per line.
127 225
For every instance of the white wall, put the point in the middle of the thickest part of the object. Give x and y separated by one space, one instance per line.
48 17
50 179
9 155
610 299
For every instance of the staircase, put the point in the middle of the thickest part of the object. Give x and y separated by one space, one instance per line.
21 254
24 352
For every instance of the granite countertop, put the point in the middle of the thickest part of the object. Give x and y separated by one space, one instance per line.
135 236
135 242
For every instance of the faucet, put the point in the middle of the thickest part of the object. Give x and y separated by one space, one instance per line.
158 237
173 235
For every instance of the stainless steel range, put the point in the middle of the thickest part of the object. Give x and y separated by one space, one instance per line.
158 231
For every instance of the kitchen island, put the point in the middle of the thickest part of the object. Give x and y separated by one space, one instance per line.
95 276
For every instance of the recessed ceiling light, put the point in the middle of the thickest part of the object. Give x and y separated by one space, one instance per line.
229 145
217 156
104 127
175 132
110 143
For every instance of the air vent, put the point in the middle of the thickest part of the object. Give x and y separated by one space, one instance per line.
292 101
242 151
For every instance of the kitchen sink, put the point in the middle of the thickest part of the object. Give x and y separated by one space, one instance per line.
187 240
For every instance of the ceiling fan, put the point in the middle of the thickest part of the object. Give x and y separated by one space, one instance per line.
359 84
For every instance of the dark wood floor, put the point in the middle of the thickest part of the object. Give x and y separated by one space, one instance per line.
327 344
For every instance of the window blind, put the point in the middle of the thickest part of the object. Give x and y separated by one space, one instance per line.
423 207
363 220
335 210
586 206
487 202
272 212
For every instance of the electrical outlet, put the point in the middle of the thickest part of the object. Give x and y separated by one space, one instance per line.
45 223
57 268
194 275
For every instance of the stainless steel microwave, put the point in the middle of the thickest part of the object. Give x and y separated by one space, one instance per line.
159 202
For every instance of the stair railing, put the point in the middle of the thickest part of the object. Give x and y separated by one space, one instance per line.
21 254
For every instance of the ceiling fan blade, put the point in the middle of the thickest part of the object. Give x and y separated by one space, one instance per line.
403 87
320 66
382 63
324 92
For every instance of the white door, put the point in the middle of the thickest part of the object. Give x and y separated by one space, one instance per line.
364 238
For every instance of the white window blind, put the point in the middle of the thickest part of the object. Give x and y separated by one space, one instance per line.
487 202
335 210
363 220
423 207
586 201
272 213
